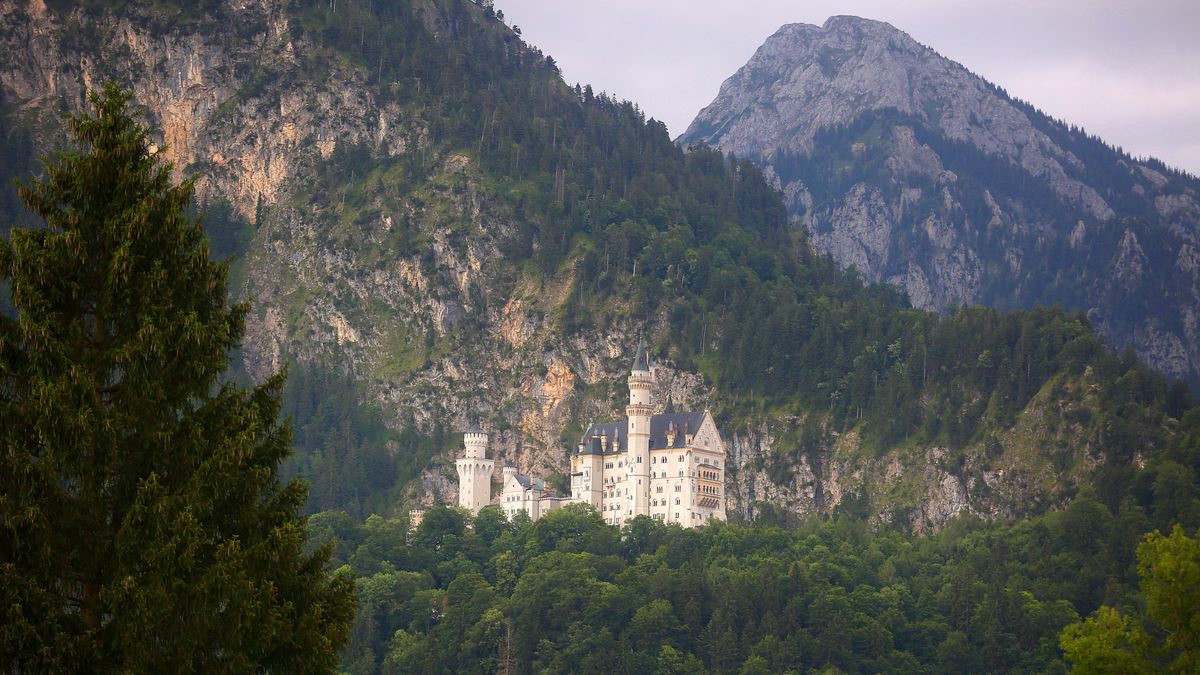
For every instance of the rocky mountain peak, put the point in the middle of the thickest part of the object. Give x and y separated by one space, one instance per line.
407 252
907 166
806 78
853 32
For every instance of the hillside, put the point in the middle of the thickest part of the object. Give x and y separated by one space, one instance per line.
433 225
907 167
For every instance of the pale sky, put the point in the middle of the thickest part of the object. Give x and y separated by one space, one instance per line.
1127 71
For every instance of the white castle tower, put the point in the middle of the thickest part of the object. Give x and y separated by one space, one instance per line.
639 411
669 466
475 471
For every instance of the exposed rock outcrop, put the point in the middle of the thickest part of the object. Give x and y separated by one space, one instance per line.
911 169
404 289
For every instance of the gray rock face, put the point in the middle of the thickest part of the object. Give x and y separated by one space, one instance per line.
331 289
906 166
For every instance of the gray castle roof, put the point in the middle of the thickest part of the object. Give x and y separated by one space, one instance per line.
685 422
641 361
530 483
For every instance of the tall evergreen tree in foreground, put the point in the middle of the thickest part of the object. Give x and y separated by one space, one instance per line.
143 525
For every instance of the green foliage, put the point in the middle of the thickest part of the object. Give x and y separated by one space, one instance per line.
229 237
143 523
1107 643
342 446
598 197
160 15
595 188
17 148
568 593
1167 637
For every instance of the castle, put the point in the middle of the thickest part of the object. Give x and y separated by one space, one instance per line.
669 466
518 493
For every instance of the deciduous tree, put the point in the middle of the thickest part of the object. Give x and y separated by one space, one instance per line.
1167 638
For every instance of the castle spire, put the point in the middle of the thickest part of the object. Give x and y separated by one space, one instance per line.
670 407
640 360
639 411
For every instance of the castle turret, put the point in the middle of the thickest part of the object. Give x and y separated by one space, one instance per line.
638 412
474 471
587 470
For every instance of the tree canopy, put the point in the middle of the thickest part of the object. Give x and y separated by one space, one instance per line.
1167 637
143 523
568 593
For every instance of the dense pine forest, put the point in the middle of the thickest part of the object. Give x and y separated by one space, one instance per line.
703 238
644 228
695 247
568 593
598 196
652 229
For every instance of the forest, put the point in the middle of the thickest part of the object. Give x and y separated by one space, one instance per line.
702 240
693 236
568 593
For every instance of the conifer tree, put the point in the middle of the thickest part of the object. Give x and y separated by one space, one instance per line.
143 523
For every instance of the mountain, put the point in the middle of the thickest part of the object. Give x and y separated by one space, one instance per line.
434 226
909 168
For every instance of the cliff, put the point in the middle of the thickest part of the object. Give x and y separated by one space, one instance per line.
912 170
418 203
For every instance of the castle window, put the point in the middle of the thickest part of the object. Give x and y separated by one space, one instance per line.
677 501
678 488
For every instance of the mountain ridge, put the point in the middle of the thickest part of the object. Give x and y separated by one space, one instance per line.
450 230
984 233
